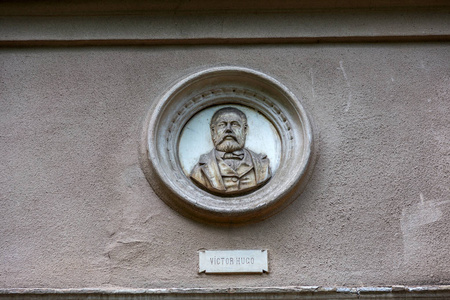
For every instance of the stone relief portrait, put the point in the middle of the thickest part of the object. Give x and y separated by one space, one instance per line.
230 168
227 145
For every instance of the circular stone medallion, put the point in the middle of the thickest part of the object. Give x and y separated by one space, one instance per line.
227 145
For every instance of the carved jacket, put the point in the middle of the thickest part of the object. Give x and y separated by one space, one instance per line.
213 174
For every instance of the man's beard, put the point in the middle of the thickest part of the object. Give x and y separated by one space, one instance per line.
228 145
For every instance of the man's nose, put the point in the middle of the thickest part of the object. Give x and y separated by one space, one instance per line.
228 129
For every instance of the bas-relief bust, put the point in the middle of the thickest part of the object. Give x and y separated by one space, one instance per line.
230 168
199 186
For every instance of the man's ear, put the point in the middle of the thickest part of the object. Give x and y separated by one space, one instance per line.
246 128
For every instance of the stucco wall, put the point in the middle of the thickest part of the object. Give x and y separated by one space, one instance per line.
77 210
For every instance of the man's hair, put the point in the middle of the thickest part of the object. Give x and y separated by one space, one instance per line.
225 110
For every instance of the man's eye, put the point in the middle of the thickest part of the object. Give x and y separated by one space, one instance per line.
221 125
235 124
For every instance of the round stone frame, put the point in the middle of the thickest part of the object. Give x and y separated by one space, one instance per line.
218 86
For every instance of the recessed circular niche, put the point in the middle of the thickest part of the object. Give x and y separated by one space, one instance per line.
244 164
195 138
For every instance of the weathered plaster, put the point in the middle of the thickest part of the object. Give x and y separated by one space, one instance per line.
77 211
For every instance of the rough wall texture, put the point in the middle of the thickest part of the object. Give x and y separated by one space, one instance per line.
78 212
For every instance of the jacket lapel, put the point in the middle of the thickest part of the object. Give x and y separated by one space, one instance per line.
246 165
211 171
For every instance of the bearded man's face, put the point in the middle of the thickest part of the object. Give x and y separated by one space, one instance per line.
228 132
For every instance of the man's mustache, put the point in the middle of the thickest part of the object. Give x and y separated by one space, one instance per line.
222 138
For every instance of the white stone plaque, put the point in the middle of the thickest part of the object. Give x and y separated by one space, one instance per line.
233 261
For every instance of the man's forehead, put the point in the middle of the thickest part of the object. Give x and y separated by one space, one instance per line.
229 116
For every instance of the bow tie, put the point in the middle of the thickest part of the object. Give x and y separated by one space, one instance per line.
234 155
